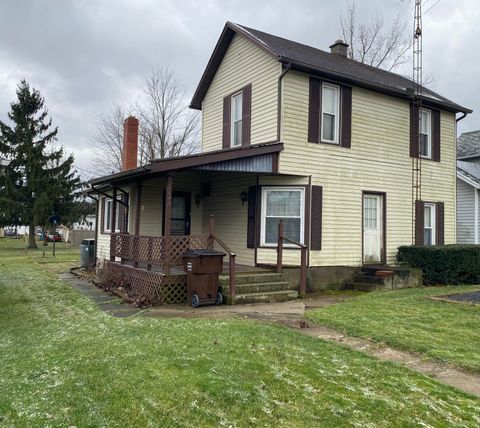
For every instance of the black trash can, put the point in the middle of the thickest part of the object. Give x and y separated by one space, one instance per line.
203 267
87 253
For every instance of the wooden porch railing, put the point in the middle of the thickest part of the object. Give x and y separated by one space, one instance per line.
161 251
232 286
303 258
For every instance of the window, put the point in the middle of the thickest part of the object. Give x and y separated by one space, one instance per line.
429 224
330 114
107 225
237 105
286 204
425 134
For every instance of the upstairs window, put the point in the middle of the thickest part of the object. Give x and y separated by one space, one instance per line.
236 120
330 113
429 224
425 134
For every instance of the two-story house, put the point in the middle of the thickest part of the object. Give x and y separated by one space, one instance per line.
295 134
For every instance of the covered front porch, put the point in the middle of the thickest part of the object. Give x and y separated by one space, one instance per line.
170 208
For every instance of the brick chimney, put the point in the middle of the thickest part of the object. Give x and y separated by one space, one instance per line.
130 143
339 48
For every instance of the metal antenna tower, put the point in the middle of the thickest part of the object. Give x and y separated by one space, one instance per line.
416 112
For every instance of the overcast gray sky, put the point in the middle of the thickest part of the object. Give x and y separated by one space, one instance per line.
87 55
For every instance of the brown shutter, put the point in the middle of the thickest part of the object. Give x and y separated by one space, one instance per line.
226 122
102 215
440 223
436 135
419 222
346 117
316 218
246 114
414 122
314 107
251 215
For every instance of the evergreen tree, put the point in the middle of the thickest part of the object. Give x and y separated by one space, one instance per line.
39 181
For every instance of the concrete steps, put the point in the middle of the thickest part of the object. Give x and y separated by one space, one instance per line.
259 287
373 278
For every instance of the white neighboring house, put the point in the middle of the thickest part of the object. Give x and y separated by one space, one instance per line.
468 188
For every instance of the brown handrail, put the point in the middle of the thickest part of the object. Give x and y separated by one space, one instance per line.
303 258
232 286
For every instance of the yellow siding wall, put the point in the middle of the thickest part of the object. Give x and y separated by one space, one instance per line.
378 161
243 63
230 215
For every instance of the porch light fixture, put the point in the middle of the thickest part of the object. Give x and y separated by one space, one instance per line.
243 197
198 199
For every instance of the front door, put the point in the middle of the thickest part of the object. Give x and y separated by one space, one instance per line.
180 220
373 228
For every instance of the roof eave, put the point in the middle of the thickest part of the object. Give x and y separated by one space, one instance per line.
218 53
334 75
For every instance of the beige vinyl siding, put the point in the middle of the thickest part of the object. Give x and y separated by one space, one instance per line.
465 213
377 161
230 215
243 63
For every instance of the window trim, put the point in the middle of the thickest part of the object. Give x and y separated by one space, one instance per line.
429 134
264 191
337 89
433 220
107 218
232 120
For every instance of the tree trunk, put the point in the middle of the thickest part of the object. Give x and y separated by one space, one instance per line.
31 237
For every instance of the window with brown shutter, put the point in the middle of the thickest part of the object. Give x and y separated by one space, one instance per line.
429 223
102 215
237 118
329 113
316 218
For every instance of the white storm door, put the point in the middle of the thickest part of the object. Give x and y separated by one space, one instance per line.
372 228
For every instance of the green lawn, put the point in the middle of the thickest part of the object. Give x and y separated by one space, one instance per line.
64 363
407 319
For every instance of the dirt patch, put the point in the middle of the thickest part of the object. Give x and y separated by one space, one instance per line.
472 298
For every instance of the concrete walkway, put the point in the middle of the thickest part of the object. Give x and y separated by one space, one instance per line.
290 314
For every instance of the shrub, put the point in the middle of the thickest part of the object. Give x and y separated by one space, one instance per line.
447 264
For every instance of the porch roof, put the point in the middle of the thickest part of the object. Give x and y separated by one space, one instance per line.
259 158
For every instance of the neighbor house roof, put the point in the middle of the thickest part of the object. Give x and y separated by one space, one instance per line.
315 61
470 171
468 145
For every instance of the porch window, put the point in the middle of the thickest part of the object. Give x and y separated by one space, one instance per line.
429 224
330 113
286 204
425 134
236 125
107 226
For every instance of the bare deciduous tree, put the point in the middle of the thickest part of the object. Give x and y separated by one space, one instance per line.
373 44
107 152
167 127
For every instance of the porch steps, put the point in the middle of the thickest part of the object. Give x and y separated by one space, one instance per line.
372 278
259 287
